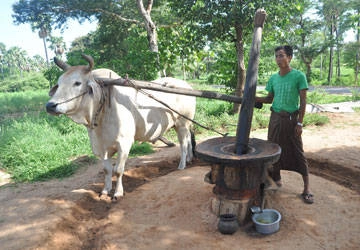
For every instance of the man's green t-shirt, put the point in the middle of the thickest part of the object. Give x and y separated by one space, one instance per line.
286 90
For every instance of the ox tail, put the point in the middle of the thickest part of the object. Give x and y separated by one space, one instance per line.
193 142
166 141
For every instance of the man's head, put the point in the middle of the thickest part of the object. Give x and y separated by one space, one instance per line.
286 48
283 56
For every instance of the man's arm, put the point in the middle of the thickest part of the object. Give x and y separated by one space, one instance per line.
265 99
302 108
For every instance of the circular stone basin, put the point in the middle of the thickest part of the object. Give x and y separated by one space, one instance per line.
267 221
221 150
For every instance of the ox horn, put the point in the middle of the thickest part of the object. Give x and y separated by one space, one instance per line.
90 60
62 65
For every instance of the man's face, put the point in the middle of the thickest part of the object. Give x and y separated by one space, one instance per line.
282 60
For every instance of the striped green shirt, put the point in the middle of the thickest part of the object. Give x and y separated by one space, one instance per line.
286 90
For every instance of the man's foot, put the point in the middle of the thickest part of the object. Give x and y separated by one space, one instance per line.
308 198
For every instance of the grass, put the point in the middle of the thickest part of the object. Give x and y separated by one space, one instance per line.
35 146
33 149
22 102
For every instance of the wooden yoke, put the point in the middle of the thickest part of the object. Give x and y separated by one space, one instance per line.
247 106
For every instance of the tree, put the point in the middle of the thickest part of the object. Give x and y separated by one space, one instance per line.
184 42
304 34
355 24
232 21
57 12
16 60
351 51
48 13
335 14
37 15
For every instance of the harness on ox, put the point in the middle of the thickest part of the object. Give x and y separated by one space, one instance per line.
102 102
131 83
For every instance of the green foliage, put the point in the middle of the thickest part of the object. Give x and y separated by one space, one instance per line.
261 117
52 74
22 102
315 120
213 107
223 68
183 44
138 149
28 81
138 62
126 55
319 96
355 95
184 28
350 51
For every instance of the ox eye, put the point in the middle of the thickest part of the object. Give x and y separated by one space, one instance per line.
77 83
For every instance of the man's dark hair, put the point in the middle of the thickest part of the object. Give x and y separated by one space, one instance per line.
287 48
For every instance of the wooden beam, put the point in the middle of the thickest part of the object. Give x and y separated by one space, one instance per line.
163 88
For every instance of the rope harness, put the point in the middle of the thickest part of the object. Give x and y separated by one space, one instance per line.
102 102
132 84
93 123
73 98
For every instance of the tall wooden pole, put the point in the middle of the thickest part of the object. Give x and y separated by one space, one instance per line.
247 106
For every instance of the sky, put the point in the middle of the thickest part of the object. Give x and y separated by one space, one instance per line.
22 36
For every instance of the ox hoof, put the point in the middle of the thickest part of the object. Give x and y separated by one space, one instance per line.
116 197
103 196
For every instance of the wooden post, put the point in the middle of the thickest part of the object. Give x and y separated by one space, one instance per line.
247 106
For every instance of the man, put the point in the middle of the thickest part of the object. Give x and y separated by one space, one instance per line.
287 93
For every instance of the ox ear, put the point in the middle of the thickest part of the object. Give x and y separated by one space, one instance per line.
62 65
53 90
90 60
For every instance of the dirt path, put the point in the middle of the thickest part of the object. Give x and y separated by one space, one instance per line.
167 209
333 150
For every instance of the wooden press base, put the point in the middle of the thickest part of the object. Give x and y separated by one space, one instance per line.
241 208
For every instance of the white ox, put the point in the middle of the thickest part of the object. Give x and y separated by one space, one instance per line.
115 116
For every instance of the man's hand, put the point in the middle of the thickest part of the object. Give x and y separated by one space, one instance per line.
298 129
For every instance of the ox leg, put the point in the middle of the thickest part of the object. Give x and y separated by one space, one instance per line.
108 176
120 167
185 146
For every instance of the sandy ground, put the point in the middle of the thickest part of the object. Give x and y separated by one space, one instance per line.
169 209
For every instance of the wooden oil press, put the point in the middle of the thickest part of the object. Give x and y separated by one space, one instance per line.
238 164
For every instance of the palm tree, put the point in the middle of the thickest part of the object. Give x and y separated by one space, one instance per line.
43 34
16 59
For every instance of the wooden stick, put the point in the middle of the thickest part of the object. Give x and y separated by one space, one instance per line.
163 88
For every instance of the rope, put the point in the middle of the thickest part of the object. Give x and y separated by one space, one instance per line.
102 102
166 105
73 98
